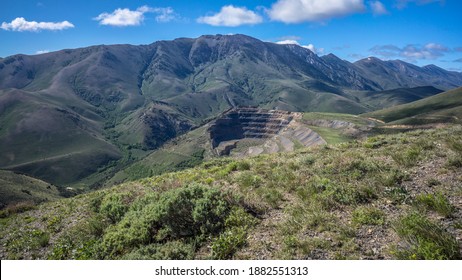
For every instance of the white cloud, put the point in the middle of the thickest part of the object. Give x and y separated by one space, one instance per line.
42 51
296 11
401 4
164 14
126 17
295 42
288 42
436 47
232 16
378 8
123 17
21 24
411 52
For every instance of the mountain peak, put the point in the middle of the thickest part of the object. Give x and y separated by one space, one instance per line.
230 37
331 56
433 67
369 60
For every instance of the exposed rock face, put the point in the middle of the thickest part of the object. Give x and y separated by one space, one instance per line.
248 122
278 130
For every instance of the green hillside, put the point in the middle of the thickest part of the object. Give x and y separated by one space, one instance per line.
76 117
391 196
386 99
440 108
185 151
18 190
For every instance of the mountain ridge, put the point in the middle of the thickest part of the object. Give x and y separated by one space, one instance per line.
110 105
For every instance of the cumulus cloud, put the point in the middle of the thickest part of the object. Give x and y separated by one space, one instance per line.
311 47
21 24
378 8
296 11
164 14
123 17
42 51
411 52
288 42
126 17
231 16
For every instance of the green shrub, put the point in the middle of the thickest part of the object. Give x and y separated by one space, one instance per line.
248 180
238 217
62 249
228 242
195 211
435 202
72 246
424 240
95 201
237 225
134 229
26 239
97 224
309 160
114 206
192 210
55 223
367 215
173 250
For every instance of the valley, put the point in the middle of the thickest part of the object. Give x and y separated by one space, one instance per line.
76 117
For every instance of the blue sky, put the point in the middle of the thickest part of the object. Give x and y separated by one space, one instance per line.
418 31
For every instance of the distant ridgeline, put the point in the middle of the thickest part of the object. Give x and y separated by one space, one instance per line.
75 118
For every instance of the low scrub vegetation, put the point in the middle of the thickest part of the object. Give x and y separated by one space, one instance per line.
392 197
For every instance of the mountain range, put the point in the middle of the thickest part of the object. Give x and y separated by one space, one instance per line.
68 115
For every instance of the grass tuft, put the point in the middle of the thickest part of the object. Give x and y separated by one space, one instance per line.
435 202
368 215
424 240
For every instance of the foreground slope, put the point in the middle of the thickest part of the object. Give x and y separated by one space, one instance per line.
388 197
